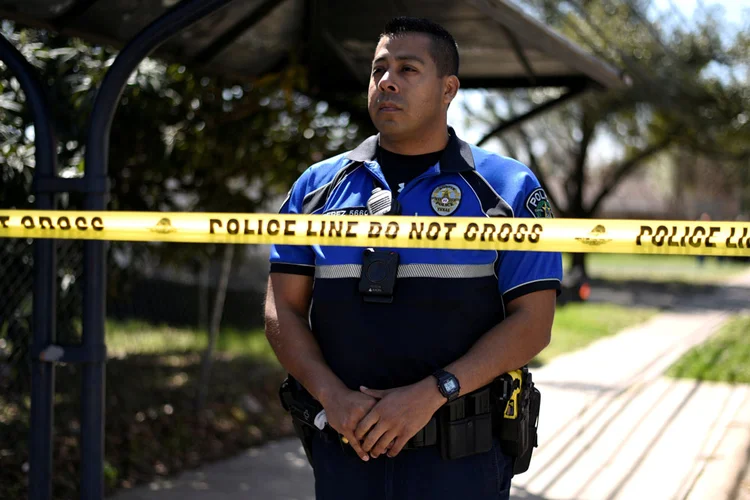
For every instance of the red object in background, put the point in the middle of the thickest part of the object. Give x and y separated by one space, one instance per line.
584 291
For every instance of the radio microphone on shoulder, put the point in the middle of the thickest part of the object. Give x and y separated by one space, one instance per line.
381 202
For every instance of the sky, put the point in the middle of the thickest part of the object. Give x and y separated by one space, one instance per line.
733 8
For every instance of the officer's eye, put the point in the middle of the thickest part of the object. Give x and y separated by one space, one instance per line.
375 71
408 68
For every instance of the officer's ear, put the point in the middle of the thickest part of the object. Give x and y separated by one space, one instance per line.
451 84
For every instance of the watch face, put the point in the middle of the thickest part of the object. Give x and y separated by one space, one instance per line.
450 386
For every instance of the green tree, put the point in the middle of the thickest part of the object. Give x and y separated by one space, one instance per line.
674 102
181 141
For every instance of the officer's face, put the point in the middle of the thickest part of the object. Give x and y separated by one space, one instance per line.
406 95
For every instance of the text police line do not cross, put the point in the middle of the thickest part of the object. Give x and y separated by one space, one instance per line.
390 230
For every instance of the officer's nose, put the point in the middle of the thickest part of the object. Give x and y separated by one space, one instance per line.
386 84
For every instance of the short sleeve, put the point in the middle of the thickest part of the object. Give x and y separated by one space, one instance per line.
521 273
293 259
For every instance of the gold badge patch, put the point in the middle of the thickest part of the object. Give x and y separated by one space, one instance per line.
445 199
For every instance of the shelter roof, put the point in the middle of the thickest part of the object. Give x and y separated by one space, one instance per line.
500 46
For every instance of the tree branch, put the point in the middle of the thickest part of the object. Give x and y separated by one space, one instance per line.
626 168
509 147
213 329
533 160
578 180
536 167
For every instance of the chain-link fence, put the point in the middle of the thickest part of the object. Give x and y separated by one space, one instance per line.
16 298
16 327
16 285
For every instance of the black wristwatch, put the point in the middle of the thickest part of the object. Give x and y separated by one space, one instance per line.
447 384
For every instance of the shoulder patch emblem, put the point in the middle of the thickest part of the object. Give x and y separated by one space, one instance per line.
538 204
445 199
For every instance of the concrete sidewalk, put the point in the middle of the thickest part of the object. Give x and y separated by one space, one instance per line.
276 471
616 430
627 432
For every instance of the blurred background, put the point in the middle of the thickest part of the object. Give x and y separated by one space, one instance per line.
190 377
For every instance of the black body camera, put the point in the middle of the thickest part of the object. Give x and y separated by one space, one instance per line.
378 279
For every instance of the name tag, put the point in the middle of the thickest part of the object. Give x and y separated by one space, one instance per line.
347 211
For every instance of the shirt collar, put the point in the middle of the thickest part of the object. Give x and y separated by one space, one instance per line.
457 156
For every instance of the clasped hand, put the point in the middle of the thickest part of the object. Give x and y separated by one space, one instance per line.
377 422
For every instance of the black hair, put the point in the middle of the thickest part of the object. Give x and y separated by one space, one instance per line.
444 49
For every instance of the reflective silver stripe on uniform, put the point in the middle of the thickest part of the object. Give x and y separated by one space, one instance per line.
340 271
446 270
412 271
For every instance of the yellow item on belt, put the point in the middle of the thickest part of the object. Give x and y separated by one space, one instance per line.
466 233
511 407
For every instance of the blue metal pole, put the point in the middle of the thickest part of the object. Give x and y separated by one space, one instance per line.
44 302
173 21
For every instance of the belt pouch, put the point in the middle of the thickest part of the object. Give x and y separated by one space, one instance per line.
461 435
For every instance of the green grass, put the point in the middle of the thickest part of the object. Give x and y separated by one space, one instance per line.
725 357
136 337
660 268
578 324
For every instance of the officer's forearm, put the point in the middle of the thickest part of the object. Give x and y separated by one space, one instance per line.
514 342
298 351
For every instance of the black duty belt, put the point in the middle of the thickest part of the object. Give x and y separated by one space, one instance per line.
463 427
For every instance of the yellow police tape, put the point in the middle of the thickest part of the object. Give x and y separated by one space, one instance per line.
544 235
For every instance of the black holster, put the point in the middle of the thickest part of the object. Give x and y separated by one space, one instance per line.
303 408
517 416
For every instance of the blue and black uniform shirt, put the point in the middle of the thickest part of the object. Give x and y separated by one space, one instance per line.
444 300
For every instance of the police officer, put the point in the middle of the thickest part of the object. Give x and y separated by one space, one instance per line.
382 367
